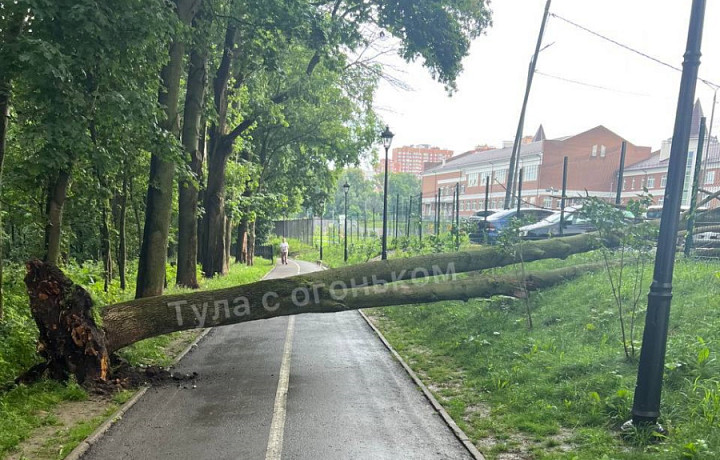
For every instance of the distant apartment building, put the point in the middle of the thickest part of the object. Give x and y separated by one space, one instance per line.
593 162
651 173
412 159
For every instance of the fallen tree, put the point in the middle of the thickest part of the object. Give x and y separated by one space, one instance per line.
73 343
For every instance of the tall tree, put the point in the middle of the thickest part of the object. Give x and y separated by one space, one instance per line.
329 29
151 265
189 186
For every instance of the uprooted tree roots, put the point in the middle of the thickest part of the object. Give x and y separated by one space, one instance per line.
73 343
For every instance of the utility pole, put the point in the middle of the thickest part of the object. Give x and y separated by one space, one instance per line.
646 401
521 123
621 173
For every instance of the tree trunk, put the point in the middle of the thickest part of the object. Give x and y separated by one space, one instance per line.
214 218
105 245
241 248
4 116
228 242
213 232
342 289
250 255
57 192
122 243
153 252
188 195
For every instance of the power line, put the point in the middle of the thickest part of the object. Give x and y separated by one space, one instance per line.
590 85
628 48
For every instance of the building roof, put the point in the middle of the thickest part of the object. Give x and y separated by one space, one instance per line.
472 158
695 123
486 156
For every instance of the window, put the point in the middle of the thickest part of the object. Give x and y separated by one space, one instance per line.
602 151
547 202
472 179
663 181
624 184
530 173
651 182
710 177
501 175
632 184
594 150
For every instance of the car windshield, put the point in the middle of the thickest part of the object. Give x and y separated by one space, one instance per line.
555 218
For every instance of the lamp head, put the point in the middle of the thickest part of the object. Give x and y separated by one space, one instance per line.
346 188
387 137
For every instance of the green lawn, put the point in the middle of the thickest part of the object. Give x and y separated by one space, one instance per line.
562 389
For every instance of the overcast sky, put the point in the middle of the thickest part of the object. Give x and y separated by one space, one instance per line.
639 101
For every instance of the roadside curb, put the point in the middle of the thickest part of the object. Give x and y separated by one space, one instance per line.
460 434
96 435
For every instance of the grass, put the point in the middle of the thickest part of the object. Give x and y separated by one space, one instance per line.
28 407
562 389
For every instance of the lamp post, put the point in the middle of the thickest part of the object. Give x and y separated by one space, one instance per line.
387 137
346 189
646 403
322 211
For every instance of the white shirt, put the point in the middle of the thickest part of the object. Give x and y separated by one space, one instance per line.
284 247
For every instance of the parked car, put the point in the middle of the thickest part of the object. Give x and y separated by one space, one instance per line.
491 228
575 223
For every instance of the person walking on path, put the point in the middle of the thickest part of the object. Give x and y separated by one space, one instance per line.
284 249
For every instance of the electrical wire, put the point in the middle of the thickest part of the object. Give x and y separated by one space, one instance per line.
628 48
590 85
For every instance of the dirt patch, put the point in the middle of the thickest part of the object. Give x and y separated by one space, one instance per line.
66 415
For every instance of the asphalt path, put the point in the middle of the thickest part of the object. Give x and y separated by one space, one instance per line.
317 386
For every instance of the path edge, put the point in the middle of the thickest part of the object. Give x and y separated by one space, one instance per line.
459 434
100 431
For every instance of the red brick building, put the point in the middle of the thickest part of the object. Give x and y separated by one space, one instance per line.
411 159
593 161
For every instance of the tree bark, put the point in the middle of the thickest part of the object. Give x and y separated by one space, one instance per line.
241 245
213 232
57 192
228 243
153 252
55 308
105 245
188 194
250 250
122 232
4 116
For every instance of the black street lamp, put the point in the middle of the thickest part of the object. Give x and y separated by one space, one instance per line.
387 137
646 403
346 189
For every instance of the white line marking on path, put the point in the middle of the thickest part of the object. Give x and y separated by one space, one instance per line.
297 265
277 428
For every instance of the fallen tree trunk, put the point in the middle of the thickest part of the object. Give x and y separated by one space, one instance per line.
70 339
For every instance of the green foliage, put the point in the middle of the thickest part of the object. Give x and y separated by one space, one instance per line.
624 264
